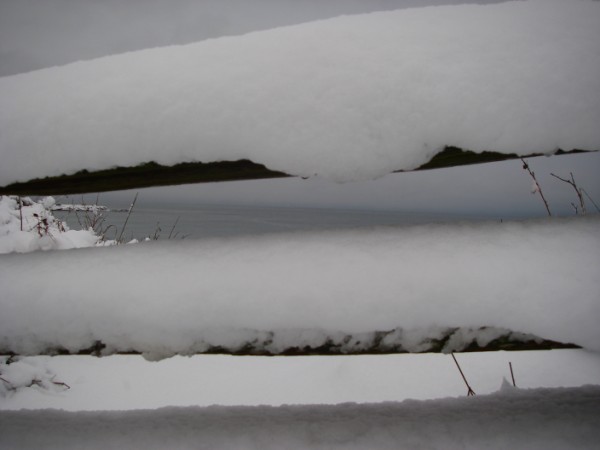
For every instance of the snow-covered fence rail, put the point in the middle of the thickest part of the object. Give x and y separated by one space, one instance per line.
350 98
290 291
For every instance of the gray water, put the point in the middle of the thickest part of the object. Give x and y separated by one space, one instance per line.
225 221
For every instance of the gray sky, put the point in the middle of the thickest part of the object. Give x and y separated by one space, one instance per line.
42 33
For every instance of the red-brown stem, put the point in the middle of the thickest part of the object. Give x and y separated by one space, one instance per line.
539 188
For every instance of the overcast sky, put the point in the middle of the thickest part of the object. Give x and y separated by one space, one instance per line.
42 33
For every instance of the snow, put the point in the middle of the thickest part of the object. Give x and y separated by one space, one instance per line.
349 98
520 419
537 276
217 401
30 226
79 207
128 382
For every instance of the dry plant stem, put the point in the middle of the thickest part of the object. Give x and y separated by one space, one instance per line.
156 232
60 383
590 199
173 228
574 185
36 382
103 237
470 391
21 212
127 218
539 188
78 219
512 375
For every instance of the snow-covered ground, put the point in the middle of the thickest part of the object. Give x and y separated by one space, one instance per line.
27 225
392 401
126 382
539 419
79 207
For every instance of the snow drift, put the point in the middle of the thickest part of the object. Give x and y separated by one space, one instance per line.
518 419
126 382
26 226
183 297
347 98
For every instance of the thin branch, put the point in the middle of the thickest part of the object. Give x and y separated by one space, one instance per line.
21 212
157 232
512 375
173 228
127 218
574 185
103 236
59 383
469 390
590 199
537 185
575 208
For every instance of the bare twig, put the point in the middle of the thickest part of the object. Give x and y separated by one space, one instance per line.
103 236
512 374
590 199
81 225
469 390
60 383
173 227
21 212
575 208
127 218
35 382
157 232
538 188
579 194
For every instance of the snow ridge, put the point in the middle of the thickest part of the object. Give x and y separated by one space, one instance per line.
349 98
521 419
537 277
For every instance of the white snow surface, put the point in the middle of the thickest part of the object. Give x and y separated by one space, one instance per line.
27 225
518 419
125 382
538 277
348 98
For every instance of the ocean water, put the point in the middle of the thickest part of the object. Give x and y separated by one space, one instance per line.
224 221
